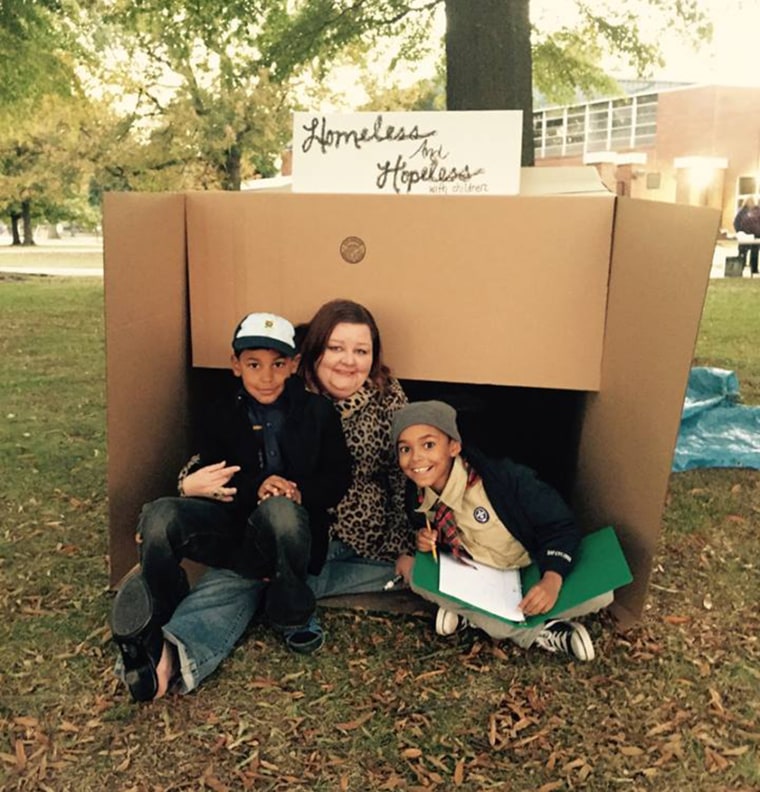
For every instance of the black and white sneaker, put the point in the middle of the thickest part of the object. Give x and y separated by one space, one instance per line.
569 637
447 622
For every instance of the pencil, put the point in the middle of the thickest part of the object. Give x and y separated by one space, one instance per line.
433 550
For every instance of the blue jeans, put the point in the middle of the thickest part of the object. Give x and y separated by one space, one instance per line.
345 572
213 617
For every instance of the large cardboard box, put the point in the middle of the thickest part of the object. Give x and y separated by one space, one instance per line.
562 326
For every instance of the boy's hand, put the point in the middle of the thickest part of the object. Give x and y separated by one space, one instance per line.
404 564
427 539
209 482
542 596
277 485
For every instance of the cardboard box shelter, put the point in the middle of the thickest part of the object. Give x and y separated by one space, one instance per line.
562 326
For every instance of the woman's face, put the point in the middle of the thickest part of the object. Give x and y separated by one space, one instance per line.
346 360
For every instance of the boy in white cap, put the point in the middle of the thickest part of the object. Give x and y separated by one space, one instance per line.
272 461
495 512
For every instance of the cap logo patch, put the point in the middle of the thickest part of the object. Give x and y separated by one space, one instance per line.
268 323
481 514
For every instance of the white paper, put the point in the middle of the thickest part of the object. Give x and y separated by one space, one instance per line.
462 152
497 591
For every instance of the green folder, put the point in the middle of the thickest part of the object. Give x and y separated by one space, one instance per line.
600 566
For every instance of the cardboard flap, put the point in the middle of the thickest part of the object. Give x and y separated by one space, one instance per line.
661 263
508 291
147 357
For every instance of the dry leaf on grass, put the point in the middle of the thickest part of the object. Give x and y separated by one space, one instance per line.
459 772
355 724
552 786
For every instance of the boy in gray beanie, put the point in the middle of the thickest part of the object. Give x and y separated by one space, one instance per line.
495 512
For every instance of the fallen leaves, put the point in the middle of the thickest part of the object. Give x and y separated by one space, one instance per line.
674 619
356 723
668 704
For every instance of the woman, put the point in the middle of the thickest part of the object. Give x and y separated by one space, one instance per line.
370 540
341 357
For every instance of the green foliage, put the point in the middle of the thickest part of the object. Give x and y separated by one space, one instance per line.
566 63
226 117
46 156
422 95
36 49
568 60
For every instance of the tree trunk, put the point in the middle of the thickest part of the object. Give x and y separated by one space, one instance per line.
488 60
15 236
231 173
26 217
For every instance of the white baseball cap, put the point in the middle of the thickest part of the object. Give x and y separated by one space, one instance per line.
265 331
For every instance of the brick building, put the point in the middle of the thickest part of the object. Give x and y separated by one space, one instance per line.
691 144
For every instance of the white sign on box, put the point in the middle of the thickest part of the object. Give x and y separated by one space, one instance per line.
463 152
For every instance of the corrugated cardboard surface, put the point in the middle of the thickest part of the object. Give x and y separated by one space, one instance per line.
510 291
147 357
495 290
660 269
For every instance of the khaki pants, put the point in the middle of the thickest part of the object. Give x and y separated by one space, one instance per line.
522 636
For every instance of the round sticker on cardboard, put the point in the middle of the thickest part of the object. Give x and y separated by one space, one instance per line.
353 249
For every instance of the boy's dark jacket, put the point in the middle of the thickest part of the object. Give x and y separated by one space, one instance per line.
534 512
314 454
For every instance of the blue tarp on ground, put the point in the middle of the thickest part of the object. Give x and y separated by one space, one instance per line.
715 430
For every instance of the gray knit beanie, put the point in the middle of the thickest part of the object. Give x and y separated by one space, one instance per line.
432 413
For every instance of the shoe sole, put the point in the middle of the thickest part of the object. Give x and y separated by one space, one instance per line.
132 608
138 640
308 646
581 643
443 622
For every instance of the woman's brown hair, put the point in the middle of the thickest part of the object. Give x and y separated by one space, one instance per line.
320 329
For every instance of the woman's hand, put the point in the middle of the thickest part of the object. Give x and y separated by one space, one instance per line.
277 485
542 597
210 481
404 566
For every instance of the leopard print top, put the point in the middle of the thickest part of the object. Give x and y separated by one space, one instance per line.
371 517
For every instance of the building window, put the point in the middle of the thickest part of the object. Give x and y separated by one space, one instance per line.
621 124
597 137
646 119
653 181
554 132
605 125
746 187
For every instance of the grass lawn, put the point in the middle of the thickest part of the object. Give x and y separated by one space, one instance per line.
670 705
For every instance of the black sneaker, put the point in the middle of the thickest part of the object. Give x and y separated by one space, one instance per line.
569 637
139 639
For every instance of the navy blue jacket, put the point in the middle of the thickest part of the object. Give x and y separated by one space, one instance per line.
533 511
314 455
